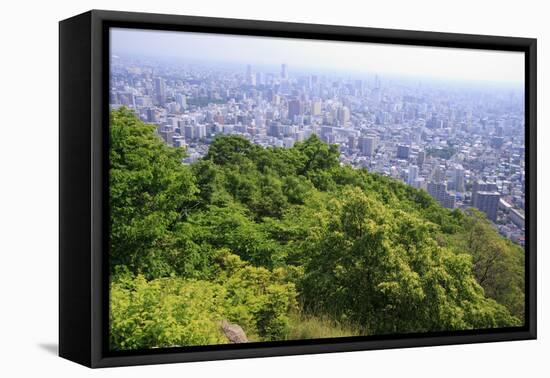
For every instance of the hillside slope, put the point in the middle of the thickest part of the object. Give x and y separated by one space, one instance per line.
287 244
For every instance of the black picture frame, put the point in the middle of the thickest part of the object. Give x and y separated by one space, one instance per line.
83 179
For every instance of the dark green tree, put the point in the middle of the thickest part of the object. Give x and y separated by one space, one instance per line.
150 192
382 269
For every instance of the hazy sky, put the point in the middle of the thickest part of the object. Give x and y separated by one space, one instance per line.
370 58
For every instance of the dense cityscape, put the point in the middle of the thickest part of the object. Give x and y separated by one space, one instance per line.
464 145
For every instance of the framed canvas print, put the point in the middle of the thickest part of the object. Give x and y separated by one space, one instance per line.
235 188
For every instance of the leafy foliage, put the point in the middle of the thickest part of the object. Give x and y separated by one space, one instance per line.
382 269
287 243
174 311
498 264
150 191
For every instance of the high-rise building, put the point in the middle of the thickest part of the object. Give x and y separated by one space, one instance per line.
167 134
250 78
160 90
259 120
421 158
413 175
328 138
275 129
497 142
181 100
288 142
189 132
450 200
434 123
151 115
367 145
294 108
459 179
200 131
316 108
270 94
343 115
438 174
403 151
326 130
488 203
439 192
299 136
284 73
482 186
517 217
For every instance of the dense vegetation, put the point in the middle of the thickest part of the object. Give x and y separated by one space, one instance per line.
289 244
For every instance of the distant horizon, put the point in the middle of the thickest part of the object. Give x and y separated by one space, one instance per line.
301 70
437 64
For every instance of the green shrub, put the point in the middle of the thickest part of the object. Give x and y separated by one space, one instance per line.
381 268
174 311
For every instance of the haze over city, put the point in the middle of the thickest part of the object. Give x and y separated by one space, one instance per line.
387 107
453 64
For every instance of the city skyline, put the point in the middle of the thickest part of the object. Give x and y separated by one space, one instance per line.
464 145
354 58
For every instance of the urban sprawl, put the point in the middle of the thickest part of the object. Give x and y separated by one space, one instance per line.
464 145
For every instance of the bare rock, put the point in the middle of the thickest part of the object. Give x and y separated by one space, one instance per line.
233 332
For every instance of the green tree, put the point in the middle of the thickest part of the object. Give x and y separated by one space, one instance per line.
318 155
381 269
498 264
150 192
229 150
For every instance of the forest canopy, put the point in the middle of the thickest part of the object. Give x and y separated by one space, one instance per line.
287 244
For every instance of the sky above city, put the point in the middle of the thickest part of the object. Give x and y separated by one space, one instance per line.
454 64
